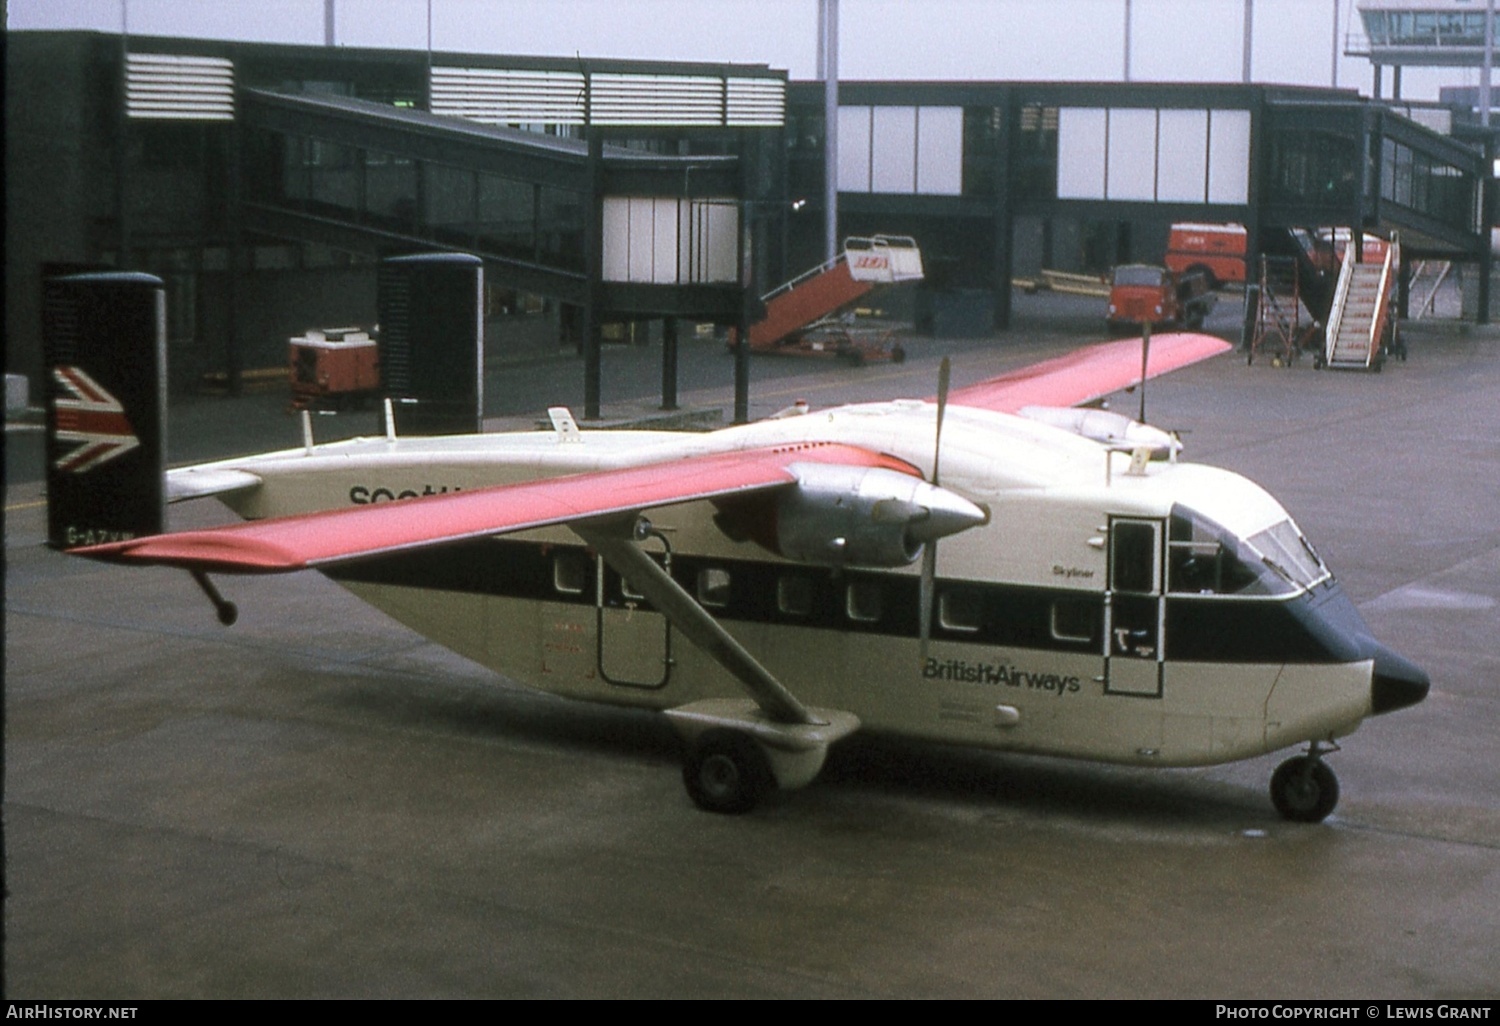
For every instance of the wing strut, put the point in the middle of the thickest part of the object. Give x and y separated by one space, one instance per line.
615 541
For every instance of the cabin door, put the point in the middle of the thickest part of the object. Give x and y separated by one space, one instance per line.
1134 608
635 641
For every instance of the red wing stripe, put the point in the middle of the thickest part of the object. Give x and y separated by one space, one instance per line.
313 539
1087 374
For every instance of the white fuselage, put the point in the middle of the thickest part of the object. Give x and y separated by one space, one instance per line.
1062 626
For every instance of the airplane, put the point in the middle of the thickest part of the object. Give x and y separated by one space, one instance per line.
996 566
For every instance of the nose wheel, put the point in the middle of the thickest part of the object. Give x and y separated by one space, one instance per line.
1304 789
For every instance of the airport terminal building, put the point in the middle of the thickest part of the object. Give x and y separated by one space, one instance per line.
263 183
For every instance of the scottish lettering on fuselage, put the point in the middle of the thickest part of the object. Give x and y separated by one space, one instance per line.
774 586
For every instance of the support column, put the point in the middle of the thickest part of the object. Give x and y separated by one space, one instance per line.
1486 256
828 50
1004 218
594 269
669 363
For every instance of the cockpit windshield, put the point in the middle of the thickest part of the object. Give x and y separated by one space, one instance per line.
1290 554
1205 558
1138 274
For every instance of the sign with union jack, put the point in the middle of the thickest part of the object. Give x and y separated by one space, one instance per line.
91 420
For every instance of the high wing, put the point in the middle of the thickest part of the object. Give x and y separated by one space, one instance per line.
315 539
1088 373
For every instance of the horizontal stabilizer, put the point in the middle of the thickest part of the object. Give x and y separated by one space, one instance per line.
201 482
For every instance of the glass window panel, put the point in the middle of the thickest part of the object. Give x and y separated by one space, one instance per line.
391 188
940 149
570 572
1182 156
1229 156
1133 557
961 609
560 227
507 216
1074 620
1080 152
449 194
713 587
333 174
893 151
1132 155
854 149
616 253
794 596
863 601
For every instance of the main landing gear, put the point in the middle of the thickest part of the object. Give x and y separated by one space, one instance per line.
725 771
1304 789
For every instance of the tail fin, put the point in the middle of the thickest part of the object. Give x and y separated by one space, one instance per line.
105 340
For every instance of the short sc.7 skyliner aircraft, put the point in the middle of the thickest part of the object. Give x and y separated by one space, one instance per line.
773 587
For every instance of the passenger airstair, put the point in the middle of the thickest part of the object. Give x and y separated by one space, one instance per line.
833 285
1361 327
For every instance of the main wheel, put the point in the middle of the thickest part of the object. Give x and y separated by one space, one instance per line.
1304 790
727 772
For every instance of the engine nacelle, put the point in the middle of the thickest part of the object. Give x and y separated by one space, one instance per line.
864 516
1105 426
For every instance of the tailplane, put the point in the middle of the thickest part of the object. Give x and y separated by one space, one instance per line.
105 339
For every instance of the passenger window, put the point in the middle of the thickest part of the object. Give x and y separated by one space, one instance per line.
713 587
960 610
794 596
1073 620
863 601
570 573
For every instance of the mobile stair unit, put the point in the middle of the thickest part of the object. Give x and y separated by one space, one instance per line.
1281 329
1362 327
794 309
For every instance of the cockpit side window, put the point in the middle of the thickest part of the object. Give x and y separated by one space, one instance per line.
1204 558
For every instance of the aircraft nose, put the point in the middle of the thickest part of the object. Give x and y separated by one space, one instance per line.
1398 682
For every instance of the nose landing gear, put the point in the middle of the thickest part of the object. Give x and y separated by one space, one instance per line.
1304 789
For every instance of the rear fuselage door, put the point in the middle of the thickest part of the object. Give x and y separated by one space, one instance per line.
635 640
1134 608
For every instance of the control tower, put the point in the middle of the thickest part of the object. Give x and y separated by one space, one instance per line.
1418 33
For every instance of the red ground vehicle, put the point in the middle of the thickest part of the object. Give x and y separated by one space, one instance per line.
1142 293
333 367
1216 250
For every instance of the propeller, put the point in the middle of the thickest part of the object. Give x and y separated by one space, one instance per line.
1145 355
929 553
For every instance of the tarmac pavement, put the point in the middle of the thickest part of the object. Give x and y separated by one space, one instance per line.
320 803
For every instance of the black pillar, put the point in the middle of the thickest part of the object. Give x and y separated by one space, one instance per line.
1004 219
669 363
1486 255
594 257
742 363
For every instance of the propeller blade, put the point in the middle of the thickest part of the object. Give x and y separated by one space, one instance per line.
929 551
944 377
1145 355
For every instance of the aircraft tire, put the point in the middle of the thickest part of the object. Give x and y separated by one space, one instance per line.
726 772
1304 790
